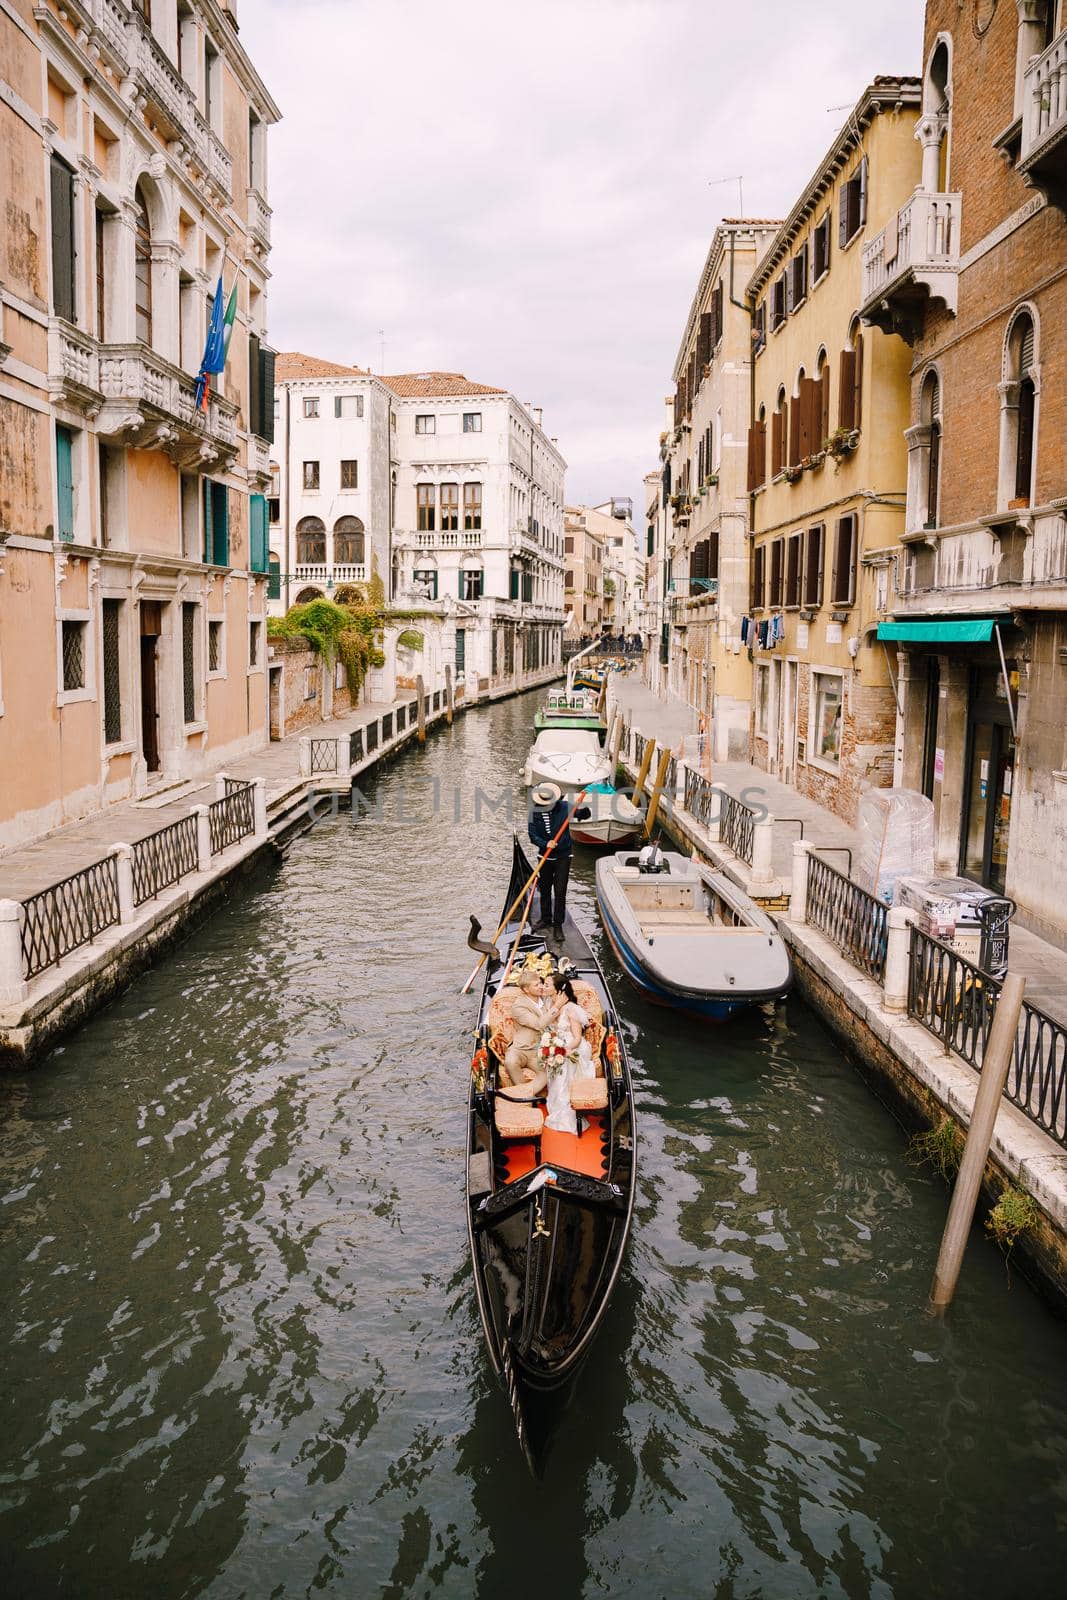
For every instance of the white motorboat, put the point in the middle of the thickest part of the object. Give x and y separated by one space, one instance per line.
607 817
571 757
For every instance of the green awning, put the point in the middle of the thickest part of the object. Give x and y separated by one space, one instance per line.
963 630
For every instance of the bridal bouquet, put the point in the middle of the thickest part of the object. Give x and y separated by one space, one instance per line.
552 1052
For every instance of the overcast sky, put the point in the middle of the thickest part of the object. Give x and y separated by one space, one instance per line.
524 192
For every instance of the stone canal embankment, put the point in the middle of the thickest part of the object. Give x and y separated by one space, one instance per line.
912 1014
84 911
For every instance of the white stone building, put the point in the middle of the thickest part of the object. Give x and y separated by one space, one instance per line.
330 505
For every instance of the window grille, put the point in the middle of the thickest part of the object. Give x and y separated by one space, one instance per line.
189 661
112 678
73 655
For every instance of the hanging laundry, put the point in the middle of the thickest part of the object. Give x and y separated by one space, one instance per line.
763 627
744 630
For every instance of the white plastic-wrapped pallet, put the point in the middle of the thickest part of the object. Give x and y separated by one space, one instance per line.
896 829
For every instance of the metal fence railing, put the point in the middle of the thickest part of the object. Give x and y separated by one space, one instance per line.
371 731
232 818
437 699
387 726
957 1001
166 856
400 715
68 914
323 756
701 800
355 746
640 743
737 828
413 713
852 919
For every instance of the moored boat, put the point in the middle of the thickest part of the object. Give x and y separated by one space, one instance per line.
687 936
548 1213
607 817
570 757
578 708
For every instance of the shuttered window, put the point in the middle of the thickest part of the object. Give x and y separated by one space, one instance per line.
852 204
820 248
65 484
258 552
795 412
255 392
216 524
813 567
757 454
101 277
274 581
843 580
759 328
857 383
779 424
778 302
759 555
266 394
846 390
63 252
775 596
792 570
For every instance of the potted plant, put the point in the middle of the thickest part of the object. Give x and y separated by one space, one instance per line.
841 442
793 474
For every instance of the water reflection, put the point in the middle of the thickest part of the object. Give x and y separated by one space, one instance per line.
240 1349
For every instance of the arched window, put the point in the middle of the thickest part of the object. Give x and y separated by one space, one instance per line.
307 594
779 425
799 418
850 386
822 401
311 542
930 416
424 577
142 270
471 580
349 542
1018 412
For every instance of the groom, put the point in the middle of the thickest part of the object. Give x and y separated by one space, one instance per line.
522 1065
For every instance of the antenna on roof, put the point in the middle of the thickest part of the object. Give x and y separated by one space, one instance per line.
715 182
381 349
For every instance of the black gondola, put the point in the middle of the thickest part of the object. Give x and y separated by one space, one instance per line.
548 1214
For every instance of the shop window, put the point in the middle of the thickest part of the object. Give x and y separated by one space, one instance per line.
825 744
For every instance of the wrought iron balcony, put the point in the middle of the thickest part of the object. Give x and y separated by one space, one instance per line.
1043 149
150 404
915 257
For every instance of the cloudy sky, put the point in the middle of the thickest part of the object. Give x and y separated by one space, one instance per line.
524 192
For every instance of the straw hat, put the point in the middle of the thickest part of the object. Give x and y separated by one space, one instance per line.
546 795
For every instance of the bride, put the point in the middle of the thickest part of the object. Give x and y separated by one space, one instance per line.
569 1022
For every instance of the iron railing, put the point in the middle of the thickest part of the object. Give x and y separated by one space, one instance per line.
437 699
387 726
640 745
956 1001
231 819
400 712
737 827
852 919
233 784
701 800
413 713
355 746
68 914
323 756
165 857
371 731
670 781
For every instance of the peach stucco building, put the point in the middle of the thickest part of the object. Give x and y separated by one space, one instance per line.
133 527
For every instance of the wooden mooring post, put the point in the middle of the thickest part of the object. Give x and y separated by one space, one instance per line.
448 692
657 790
995 1064
421 713
642 774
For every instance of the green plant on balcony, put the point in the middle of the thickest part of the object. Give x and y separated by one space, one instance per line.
793 474
841 442
711 480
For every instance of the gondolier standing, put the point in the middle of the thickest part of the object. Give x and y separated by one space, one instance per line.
549 814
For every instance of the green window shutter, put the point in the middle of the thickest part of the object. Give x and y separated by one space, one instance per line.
65 483
255 387
209 543
220 525
274 582
62 192
266 394
460 584
461 650
257 533
514 583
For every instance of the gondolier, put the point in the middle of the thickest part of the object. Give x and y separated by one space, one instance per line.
550 813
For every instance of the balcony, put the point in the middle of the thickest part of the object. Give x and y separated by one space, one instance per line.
102 29
916 257
471 540
1012 561
259 215
149 404
1043 150
163 93
328 577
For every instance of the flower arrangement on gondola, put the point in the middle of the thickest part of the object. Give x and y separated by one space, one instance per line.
552 1052
614 1055
480 1069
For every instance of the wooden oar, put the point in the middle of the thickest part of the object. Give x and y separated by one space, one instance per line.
515 942
510 912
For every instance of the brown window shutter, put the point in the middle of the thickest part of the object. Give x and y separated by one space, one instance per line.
753 438
824 408
795 408
846 390
778 442
857 401
254 392
704 342
62 186
842 216
761 452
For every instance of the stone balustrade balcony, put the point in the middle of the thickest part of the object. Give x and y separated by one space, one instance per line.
915 257
259 217
1043 147
329 574
161 90
142 400
1013 560
469 539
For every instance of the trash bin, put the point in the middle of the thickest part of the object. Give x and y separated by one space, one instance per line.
994 915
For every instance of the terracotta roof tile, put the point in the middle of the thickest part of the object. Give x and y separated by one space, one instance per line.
436 385
292 364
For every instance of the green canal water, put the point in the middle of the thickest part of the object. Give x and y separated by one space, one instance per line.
239 1351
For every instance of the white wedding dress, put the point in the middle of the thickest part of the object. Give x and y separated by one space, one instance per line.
571 1021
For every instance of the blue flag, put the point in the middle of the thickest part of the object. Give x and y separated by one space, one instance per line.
214 357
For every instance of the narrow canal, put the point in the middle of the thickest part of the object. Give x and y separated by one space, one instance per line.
240 1353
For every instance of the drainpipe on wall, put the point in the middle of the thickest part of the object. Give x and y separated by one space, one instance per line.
288 495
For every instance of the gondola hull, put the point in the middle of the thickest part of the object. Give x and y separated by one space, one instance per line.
549 1218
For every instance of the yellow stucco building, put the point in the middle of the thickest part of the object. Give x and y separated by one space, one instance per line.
133 538
827 467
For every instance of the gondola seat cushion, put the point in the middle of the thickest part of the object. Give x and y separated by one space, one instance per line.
501 1028
589 1094
517 1121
